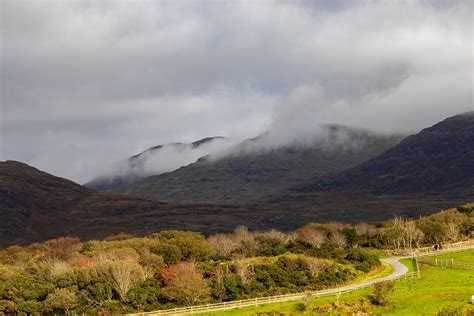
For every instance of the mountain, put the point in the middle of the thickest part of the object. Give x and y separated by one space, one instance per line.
156 160
424 173
258 167
432 169
35 206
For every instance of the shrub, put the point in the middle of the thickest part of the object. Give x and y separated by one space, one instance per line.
463 310
362 260
145 296
382 292
465 209
192 245
8 307
170 253
186 285
269 245
300 307
119 236
351 236
62 248
7 273
61 299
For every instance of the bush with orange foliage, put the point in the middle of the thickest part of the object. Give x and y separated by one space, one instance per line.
169 273
313 236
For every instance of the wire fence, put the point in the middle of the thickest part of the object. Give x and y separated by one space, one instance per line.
460 247
446 263
423 251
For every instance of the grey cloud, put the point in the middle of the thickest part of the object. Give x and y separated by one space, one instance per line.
84 82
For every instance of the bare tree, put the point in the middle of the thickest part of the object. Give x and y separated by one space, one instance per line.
51 268
405 233
275 234
362 228
418 238
242 234
338 239
289 237
125 275
222 244
313 236
411 234
315 265
246 240
244 271
452 233
396 232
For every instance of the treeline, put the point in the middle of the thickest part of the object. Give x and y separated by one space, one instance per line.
175 268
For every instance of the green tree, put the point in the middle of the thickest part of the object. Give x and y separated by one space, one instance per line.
61 299
351 236
192 245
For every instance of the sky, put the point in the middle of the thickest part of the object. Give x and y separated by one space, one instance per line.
86 83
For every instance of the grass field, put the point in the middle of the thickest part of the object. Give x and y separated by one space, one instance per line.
465 256
409 263
437 288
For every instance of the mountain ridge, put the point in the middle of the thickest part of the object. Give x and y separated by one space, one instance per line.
435 165
35 205
253 168
134 168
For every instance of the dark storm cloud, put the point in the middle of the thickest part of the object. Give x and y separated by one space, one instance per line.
87 82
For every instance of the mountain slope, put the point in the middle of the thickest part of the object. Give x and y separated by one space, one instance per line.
155 160
436 165
254 169
424 173
35 206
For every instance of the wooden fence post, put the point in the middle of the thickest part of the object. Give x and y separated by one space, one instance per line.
417 267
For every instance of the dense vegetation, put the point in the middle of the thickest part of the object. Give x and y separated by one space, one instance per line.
175 268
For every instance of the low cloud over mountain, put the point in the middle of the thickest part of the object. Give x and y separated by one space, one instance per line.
83 82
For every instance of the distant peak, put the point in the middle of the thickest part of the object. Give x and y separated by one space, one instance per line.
206 140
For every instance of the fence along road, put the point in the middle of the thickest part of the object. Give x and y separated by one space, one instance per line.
399 272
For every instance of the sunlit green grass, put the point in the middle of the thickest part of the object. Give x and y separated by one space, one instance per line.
464 256
409 263
437 288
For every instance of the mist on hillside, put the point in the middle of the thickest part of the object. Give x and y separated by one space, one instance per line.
164 158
